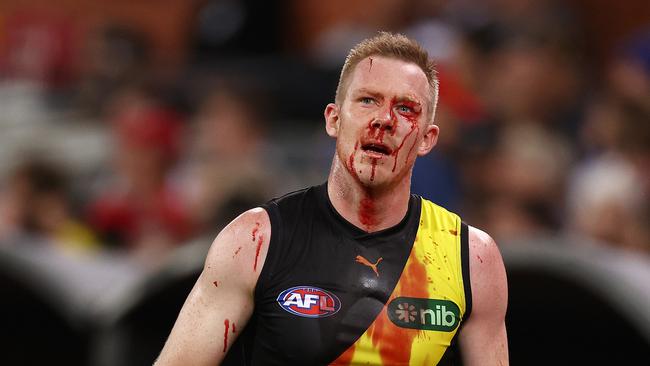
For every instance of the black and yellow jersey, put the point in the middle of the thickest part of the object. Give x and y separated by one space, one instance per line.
331 294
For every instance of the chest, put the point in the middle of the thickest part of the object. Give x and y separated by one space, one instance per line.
323 291
328 298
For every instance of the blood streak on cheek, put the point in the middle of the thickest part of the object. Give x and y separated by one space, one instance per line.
260 241
234 329
412 118
414 127
226 324
351 168
393 118
395 153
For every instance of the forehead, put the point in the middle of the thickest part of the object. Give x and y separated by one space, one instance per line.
390 77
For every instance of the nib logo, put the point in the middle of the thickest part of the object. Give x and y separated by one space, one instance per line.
406 312
424 314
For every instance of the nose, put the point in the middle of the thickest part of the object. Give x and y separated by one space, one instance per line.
384 120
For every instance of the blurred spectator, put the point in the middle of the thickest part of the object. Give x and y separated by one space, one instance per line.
521 102
523 179
228 168
35 205
628 73
224 29
342 24
39 48
113 56
139 209
609 195
607 203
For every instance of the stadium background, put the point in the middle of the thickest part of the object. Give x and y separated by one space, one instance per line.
131 131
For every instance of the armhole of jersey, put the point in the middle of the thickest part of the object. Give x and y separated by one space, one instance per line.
269 263
464 257
452 355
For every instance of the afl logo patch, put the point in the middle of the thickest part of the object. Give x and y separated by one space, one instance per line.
309 302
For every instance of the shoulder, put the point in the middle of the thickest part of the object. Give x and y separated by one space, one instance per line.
483 339
487 273
240 249
295 198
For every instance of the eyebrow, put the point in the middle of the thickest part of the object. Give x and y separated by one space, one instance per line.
378 95
408 98
368 91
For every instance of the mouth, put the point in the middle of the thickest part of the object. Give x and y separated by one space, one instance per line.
376 148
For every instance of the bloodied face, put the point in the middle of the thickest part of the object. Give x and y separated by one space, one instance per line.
383 123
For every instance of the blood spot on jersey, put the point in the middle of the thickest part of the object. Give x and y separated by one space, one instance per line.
309 302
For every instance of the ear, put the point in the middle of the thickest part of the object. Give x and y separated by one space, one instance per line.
429 139
332 120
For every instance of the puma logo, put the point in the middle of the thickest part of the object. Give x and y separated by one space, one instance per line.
366 262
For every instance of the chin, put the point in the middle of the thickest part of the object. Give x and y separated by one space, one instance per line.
381 179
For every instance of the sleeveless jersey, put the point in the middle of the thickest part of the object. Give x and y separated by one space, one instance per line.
331 294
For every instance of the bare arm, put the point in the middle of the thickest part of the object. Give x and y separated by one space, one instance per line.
221 302
483 340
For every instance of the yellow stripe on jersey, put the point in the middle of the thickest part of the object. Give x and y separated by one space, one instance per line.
423 313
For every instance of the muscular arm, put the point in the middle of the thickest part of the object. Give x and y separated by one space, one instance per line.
221 302
483 340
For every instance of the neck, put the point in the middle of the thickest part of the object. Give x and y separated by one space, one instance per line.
367 207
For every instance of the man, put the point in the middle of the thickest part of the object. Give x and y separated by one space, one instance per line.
357 270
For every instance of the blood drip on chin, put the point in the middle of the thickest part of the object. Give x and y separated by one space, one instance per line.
374 167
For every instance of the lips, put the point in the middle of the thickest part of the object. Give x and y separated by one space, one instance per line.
376 148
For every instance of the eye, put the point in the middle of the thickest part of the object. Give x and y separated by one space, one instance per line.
366 100
404 109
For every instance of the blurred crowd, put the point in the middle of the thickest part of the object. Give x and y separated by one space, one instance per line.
108 143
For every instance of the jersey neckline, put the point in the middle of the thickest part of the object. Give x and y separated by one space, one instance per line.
356 232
